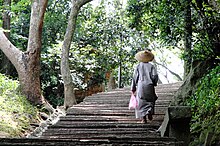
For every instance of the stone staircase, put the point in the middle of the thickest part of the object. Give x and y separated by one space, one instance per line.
104 119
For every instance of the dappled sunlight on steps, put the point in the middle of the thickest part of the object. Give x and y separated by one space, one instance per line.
104 119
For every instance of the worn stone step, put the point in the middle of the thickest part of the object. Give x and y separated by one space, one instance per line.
129 141
100 132
101 135
104 118
127 94
97 133
157 119
110 137
76 131
111 107
159 88
124 96
116 104
123 102
105 112
93 132
94 122
119 100
62 124
127 89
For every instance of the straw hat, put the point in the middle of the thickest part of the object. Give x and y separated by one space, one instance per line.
144 56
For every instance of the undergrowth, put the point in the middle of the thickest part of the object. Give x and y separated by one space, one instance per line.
16 113
205 105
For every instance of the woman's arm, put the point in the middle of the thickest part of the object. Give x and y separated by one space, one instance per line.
134 80
154 75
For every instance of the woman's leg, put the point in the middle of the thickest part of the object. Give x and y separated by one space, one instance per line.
144 119
150 117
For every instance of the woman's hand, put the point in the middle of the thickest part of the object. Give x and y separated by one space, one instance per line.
133 92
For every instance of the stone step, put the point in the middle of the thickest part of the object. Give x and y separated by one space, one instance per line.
168 85
104 119
122 119
116 104
120 99
128 141
80 132
128 93
123 95
115 101
76 131
101 135
94 132
63 124
84 106
160 88
103 122
109 112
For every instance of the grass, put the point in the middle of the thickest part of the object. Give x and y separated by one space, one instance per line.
16 113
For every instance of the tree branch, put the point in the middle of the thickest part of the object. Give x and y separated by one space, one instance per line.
9 49
83 2
173 73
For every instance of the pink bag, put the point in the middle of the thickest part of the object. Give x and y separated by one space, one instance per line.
132 102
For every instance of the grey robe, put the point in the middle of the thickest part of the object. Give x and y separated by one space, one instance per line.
144 79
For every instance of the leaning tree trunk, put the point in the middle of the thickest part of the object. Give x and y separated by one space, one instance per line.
27 63
69 93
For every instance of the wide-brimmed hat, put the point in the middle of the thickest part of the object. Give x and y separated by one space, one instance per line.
144 56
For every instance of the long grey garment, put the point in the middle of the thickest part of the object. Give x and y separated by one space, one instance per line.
144 79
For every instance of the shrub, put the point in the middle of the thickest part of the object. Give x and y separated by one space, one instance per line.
205 103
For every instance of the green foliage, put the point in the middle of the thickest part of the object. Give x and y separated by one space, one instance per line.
101 42
1 12
88 69
20 19
166 20
97 47
205 104
55 22
107 34
159 19
51 81
202 49
16 113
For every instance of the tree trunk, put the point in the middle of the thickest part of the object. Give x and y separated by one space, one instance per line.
27 63
199 68
111 81
32 56
188 37
69 94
